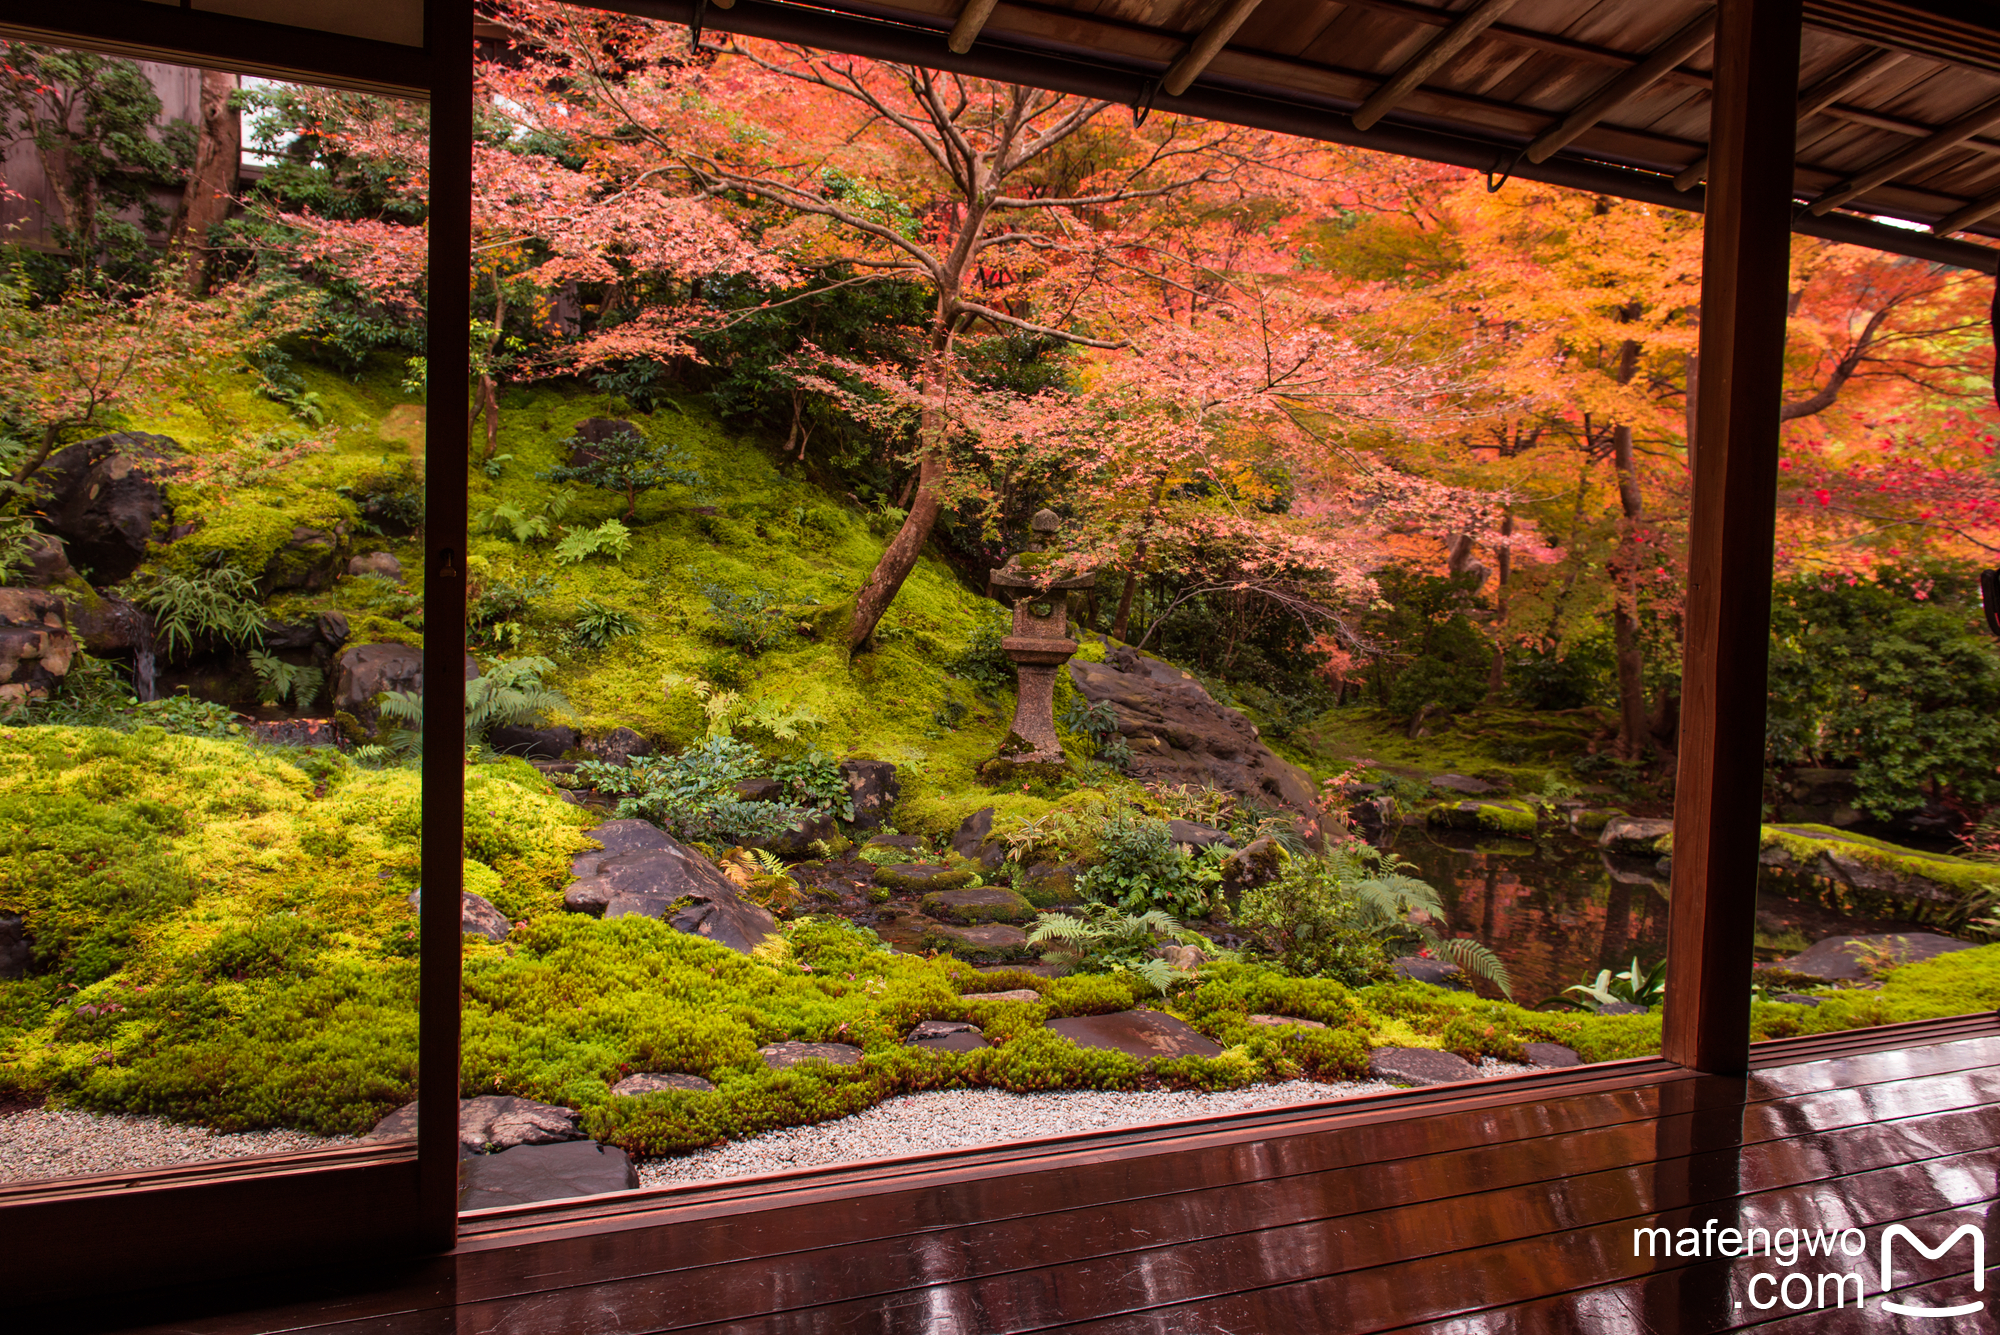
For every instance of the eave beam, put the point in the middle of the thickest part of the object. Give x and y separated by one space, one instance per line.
970 20
1429 60
1982 117
1978 210
1207 46
1625 88
1815 100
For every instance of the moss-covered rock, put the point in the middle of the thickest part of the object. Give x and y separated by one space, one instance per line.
987 943
921 878
977 904
1499 815
1876 866
1590 821
1635 837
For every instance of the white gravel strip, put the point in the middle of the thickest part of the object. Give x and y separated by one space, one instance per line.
49 1142
964 1118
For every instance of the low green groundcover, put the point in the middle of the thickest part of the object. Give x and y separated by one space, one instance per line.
222 935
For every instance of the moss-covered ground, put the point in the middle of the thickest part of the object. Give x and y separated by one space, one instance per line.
222 932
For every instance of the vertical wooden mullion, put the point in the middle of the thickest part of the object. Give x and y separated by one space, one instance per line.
448 33
1746 264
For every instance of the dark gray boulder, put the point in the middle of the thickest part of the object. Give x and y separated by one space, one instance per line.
1144 1034
643 871
874 787
310 559
1258 862
48 563
375 563
1419 1066
972 832
1634 836
109 625
13 947
618 746
477 916
544 1173
795 841
104 500
365 671
1437 972
550 743
1197 835
1179 734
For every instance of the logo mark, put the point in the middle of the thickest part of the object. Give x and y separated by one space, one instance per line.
1931 1254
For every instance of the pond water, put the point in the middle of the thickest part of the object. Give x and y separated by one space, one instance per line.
1555 910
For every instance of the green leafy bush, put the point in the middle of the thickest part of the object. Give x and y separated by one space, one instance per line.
1103 939
278 680
693 796
1141 868
627 463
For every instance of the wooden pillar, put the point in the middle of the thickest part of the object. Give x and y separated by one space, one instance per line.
448 37
1745 273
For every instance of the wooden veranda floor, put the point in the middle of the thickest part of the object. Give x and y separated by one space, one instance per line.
1507 1206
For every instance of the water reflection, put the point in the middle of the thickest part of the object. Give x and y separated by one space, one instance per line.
1555 912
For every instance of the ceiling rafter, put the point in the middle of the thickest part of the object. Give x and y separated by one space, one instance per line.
1977 211
1816 99
1207 46
1429 59
1625 88
970 20
1982 117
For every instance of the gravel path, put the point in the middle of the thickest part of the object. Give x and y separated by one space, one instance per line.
960 1118
48 1142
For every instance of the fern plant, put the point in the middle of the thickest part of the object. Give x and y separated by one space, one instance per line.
578 545
219 603
510 693
1101 938
277 680
729 713
1339 915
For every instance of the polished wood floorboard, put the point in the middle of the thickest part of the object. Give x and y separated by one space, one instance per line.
1502 1207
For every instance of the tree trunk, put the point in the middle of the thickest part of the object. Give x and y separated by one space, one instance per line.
1121 626
896 563
1633 725
205 200
1504 559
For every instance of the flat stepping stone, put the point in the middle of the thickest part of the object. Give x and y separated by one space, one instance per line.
1621 1008
997 940
778 1056
910 843
978 904
1550 1054
920 877
1015 994
1839 957
1459 783
1290 1021
947 1036
1144 1034
1794 999
1419 1066
531 1173
1436 972
658 1082
1197 835
490 1123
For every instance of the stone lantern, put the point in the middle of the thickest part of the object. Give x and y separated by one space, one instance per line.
1040 644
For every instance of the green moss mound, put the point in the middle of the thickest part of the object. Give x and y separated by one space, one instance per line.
1496 815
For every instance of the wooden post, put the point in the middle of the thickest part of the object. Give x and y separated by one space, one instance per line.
1745 273
448 37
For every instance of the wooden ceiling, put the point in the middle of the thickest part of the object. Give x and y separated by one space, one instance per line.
1898 111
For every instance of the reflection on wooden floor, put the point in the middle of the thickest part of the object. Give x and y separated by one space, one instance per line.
1504 1207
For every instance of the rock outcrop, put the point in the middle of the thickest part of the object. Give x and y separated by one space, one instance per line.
104 501
643 870
1179 734
36 647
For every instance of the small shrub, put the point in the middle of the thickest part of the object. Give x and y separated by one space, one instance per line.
578 545
1141 868
219 604
692 796
598 625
